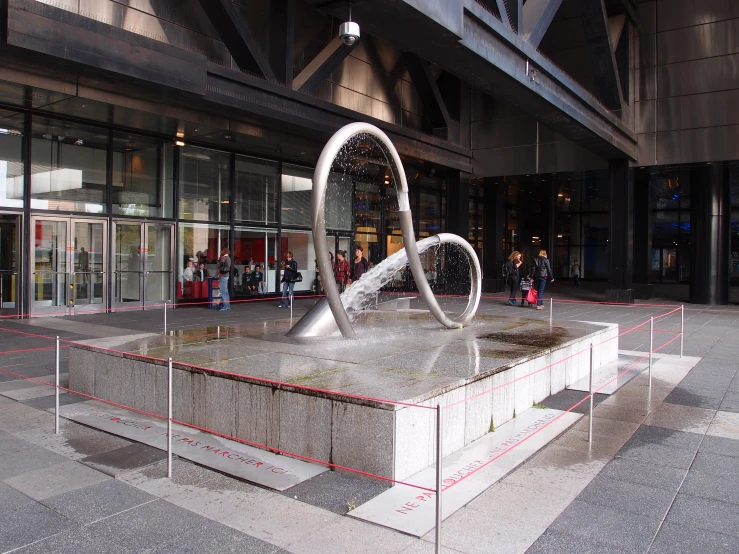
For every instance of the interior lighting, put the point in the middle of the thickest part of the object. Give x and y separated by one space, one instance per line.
179 143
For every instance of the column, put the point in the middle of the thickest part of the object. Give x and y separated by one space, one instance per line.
621 231
710 220
642 273
493 233
458 223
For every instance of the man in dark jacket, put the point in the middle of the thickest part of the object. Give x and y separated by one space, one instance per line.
288 280
542 274
360 265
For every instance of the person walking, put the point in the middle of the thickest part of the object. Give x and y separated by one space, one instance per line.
342 271
514 275
224 272
288 280
575 273
360 265
542 274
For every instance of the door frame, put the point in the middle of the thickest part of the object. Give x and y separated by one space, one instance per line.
143 271
68 307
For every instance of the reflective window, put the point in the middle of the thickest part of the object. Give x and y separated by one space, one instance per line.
429 218
255 261
297 187
255 190
205 193
201 243
68 166
11 159
367 207
142 176
300 243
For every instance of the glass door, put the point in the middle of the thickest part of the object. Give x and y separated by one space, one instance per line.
142 274
9 260
67 266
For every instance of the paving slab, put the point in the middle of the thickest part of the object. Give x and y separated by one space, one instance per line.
56 479
631 532
99 501
74 441
725 424
28 523
74 541
681 418
680 539
628 497
644 473
122 460
153 478
705 513
720 445
18 457
552 542
337 491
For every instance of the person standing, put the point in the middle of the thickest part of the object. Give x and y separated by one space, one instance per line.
342 271
201 274
542 274
575 272
224 272
514 275
288 280
360 265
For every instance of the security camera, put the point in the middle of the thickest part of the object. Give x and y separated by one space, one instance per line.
349 33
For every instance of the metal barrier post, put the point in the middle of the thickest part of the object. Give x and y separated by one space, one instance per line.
438 479
169 419
651 347
551 310
56 391
590 389
292 301
682 327
165 318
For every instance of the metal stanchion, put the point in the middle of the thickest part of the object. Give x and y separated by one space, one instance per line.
165 318
292 301
56 391
169 419
551 310
651 347
438 479
682 327
590 389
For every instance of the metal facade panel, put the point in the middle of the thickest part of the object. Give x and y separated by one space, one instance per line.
647 83
646 50
645 149
500 133
710 144
645 116
648 16
711 109
707 75
697 42
675 14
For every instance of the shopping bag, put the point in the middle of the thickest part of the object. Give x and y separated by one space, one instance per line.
532 296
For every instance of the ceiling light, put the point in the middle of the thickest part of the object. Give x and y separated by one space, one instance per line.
179 143
180 134
78 142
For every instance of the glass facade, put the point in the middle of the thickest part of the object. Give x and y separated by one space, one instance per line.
143 180
734 240
68 167
255 194
11 159
205 184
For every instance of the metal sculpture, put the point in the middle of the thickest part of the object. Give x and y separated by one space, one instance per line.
324 318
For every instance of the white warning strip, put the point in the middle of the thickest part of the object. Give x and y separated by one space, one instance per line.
604 378
246 462
412 511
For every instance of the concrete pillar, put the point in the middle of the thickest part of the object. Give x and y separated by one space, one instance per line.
710 225
621 231
493 230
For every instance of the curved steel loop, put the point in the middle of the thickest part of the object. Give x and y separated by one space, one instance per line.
318 209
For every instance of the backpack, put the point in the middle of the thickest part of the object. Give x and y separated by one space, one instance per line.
506 271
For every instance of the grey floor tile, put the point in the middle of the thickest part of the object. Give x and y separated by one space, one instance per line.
337 491
659 455
46 402
700 399
561 543
214 537
76 540
711 485
644 473
703 513
98 501
679 539
624 530
720 445
730 403
622 496
725 467
18 456
10 499
649 434
151 526
29 523
567 398
125 459
54 480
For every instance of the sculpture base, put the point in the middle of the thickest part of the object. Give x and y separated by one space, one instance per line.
323 398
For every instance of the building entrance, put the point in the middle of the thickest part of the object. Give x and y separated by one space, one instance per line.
67 266
9 264
142 263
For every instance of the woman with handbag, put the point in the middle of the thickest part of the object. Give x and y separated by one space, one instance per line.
288 280
341 271
542 274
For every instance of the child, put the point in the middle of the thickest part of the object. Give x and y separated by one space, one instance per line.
525 288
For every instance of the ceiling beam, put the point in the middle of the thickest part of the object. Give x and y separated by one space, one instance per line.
537 16
513 9
320 67
239 40
615 28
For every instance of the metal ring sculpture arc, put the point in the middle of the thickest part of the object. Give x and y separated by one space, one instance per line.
315 323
